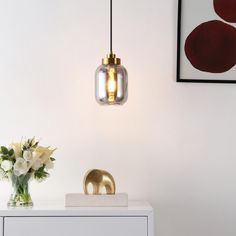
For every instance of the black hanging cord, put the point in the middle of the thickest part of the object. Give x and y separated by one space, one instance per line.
111 27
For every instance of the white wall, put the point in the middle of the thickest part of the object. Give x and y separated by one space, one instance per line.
172 144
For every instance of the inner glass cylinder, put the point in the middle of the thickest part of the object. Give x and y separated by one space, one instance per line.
111 84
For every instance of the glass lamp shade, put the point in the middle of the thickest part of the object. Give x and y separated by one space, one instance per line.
111 84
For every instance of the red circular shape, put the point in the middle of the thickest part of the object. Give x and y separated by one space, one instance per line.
226 9
211 47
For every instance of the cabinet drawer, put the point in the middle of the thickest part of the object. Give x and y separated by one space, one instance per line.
75 226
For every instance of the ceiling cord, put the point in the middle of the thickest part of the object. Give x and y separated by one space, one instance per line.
111 27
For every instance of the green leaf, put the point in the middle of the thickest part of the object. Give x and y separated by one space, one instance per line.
11 152
40 173
52 159
5 157
4 150
35 145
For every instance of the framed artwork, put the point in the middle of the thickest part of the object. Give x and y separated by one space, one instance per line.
206 41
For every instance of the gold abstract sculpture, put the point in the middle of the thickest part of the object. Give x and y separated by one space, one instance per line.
99 179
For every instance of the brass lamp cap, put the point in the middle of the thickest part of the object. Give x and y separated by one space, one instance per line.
111 59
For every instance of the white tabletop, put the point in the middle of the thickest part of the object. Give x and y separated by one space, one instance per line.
53 208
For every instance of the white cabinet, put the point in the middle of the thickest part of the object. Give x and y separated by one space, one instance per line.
1 226
75 226
56 220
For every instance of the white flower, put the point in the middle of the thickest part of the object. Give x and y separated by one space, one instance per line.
6 165
20 167
29 164
17 147
27 155
42 153
49 165
36 154
36 164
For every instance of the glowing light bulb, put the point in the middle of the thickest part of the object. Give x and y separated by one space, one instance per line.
111 85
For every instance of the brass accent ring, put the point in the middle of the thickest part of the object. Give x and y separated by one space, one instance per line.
111 59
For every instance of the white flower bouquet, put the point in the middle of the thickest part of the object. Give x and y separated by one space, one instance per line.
20 163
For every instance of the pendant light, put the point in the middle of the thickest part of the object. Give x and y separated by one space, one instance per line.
111 78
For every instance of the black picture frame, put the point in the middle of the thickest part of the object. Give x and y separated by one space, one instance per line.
191 80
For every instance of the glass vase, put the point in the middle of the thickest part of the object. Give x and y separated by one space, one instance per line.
20 191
